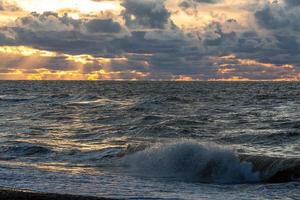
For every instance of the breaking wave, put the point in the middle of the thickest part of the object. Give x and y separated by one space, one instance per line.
191 161
209 163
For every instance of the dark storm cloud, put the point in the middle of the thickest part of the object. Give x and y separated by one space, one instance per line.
19 62
170 50
191 3
207 1
52 32
283 27
172 53
293 2
147 14
175 56
218 39
274 17
152 43
103 25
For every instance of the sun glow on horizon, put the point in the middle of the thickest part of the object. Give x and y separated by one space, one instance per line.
29 65
84 6
177 40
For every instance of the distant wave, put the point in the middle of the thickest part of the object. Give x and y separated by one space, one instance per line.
209 163
15 98
23 149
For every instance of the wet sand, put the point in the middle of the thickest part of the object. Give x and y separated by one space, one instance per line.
10 194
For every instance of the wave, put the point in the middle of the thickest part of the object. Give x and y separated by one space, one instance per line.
209 163
191 161
274 170
278 137
23 149
15 98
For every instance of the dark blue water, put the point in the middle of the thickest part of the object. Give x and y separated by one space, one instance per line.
147 139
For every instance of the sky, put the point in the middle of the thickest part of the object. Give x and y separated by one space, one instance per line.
183 40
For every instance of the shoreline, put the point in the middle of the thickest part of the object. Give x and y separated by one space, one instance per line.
15 194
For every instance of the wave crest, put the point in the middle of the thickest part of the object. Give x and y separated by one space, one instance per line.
191 161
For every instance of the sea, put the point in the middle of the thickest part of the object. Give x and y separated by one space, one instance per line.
150 140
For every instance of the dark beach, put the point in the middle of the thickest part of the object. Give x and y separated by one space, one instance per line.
11 194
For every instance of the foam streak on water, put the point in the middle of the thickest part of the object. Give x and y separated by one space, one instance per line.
151 139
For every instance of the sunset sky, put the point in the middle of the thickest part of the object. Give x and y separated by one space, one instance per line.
150 40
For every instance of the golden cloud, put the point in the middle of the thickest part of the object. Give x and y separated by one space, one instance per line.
29 64
232 68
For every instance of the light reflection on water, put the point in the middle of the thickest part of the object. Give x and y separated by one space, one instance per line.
66 135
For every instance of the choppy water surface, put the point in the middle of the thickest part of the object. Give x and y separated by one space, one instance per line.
142 140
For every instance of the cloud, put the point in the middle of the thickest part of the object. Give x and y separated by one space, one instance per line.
274 16
6 5
103 25
48 21
293 2
282 26
192 3
148 40
231 67
62 33
24 62
146 14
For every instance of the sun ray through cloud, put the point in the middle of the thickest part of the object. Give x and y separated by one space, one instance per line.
164 39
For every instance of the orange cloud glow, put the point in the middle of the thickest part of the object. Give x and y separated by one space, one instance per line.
183 78
29 66
232 68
